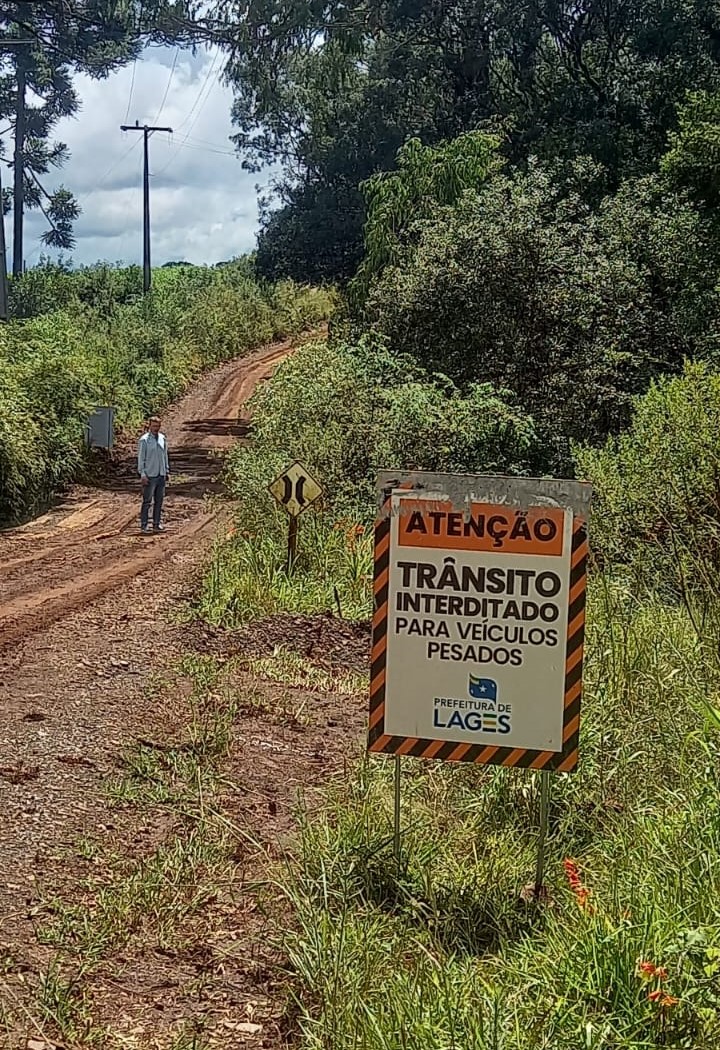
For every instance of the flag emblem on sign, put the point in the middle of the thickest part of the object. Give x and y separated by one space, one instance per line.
482 688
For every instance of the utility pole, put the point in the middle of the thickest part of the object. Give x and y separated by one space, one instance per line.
147 132
18 166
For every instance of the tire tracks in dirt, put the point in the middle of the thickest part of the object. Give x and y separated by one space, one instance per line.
89 545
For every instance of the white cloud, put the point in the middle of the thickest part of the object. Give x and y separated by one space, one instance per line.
203 205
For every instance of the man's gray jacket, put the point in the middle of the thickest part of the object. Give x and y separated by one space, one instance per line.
153 459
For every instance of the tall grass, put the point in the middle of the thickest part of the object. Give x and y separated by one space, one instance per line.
248 575
450 950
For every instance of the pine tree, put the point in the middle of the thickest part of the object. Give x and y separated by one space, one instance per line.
43 43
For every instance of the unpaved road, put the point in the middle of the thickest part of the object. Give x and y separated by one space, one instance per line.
90 543
89 666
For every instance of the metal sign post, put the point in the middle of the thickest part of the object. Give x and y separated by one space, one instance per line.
544 821
295 490
396 830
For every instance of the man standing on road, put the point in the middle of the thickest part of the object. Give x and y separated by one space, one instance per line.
154 471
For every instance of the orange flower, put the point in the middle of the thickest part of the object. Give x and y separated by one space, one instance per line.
572 872
668 1000
649 969
656 995
582 893
582 896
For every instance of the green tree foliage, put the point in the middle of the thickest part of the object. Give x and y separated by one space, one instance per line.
426 178
345 409
693 160
361 409
523 285
45 44
331 90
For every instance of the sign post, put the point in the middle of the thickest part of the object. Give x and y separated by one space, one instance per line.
479 618
396 812
295 490
544 821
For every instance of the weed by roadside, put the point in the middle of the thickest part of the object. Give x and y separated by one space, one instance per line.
248 576
284 665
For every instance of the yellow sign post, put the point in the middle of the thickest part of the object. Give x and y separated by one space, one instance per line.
295 490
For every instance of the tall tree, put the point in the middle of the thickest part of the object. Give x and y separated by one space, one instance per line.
42 45
331 89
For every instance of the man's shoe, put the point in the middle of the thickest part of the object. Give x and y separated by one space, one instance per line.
158 528
145 531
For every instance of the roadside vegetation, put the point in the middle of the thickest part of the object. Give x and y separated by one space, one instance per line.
520 205
86 338
449 950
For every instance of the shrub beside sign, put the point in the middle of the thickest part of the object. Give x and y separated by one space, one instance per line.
479 619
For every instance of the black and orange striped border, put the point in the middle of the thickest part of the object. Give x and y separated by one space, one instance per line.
379 742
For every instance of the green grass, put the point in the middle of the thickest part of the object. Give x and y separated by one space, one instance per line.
174 773
151 898
64 1007
248 576
447 953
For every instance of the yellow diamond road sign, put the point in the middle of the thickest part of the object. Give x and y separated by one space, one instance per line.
295 489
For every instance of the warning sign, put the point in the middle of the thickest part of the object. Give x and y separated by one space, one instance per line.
479 619
295 489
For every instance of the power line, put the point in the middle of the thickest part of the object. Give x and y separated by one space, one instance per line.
203 149
204 85
96 188
180 145
132 87
100 183
167 89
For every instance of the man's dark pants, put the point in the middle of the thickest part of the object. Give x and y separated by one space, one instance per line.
153 492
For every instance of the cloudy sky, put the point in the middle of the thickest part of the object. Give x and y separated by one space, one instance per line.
203 205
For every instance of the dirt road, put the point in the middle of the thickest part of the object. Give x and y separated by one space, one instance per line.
89 544
95 949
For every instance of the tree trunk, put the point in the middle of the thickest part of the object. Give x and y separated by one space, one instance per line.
18 192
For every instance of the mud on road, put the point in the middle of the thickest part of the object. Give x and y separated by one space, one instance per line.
90 544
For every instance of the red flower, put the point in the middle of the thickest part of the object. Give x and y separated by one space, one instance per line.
582 893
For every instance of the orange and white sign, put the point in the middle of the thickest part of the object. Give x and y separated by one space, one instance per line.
479 621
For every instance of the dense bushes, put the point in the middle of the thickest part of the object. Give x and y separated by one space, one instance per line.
107 346
657 488
346 410
522 285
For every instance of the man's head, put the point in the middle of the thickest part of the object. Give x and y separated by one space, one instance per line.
154 425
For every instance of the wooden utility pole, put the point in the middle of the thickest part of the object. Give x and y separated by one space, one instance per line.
147 132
